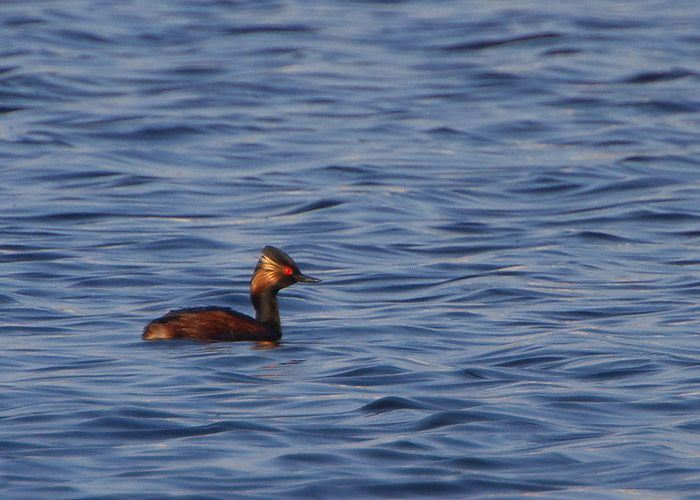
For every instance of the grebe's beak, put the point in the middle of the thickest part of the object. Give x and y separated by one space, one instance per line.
306 279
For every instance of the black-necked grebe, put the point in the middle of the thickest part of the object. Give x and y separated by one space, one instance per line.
274 271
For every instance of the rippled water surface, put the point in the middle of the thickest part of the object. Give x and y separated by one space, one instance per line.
502 199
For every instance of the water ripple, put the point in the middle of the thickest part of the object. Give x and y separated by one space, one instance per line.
502 207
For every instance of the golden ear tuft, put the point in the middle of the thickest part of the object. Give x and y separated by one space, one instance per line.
267 264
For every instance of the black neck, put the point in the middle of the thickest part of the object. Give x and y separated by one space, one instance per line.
266 309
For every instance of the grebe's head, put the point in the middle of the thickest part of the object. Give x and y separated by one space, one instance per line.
276 270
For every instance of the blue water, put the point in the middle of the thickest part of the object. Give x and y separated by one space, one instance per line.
502 199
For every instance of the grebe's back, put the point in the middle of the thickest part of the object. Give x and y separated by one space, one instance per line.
209 323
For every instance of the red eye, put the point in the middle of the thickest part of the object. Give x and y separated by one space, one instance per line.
288 270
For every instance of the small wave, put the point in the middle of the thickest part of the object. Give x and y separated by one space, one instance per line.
183 242
392 403
316 205
600 236
487 44
269 28
658 76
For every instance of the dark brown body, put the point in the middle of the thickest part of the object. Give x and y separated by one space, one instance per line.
209 323
274 271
